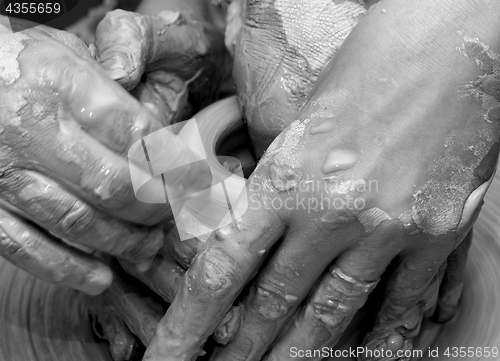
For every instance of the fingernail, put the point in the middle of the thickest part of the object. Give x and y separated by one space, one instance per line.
118 74
93 51
395 342
99 281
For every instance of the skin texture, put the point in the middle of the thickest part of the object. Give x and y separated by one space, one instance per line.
411 107
127 308
280 47
170 55
65 131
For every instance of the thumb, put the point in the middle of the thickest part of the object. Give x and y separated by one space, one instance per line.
121 45
128 44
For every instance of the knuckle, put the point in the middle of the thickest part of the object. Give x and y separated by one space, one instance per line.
10 180
75 219
8 246
340 298
214 274
272 303
111 187
329 312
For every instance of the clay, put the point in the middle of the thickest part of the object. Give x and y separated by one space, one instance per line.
11 47
28 248
474 203
486 88
326 315
180 53
61 314
323 127
229 326
234 20
339 160
140 313
298 40
283 178
108 325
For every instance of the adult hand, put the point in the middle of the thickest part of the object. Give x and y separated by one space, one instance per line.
387 162
279 48
171 55
65 132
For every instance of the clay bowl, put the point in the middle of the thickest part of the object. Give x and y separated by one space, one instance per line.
41 322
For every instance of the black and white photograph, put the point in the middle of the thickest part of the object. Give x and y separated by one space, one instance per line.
249 180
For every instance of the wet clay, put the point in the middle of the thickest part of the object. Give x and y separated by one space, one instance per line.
339 160
487 87
323 127
283 178
11 45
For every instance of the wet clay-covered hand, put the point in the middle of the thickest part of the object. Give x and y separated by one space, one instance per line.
171 54
387 163
127 307
66 128
280 47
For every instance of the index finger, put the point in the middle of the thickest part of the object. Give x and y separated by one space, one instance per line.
218 274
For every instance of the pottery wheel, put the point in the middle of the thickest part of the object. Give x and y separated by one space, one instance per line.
41 322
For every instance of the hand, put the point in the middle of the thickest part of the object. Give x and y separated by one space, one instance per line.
127 308
399 142
172 56
279 51
65 132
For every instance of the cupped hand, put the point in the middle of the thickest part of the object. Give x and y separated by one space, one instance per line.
386 164
279 48
170 56
66 128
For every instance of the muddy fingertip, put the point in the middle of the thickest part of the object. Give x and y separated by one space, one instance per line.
99 281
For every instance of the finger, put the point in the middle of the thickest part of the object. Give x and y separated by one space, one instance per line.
108 325
128 44
180 251
453 282
44 202
342 291
412 290
218 274
94 173
37 253
279 290
164 277
41 32
140 312
61 111
55 72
